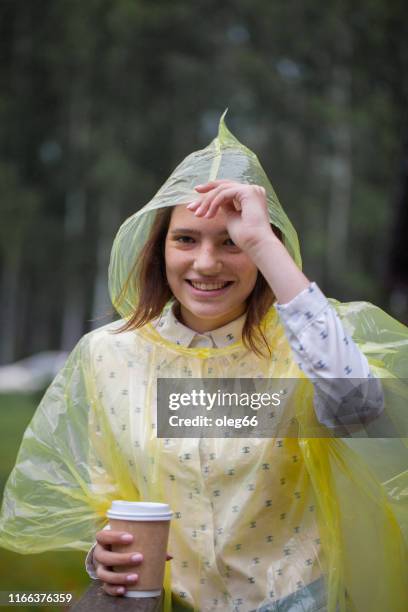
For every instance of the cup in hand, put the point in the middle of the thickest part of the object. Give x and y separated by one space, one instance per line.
149 523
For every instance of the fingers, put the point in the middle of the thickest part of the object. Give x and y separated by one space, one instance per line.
116 578
200 207
108 558
115 583
222 195
106 537
113 590
210 185
225 192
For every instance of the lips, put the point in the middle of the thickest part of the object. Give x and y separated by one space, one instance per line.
208 281
211 288
208 286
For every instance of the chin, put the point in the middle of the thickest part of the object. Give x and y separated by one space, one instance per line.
211 314
206 313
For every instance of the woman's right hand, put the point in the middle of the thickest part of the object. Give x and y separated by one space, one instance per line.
115 583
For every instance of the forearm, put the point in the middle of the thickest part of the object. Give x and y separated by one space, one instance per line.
346 392
278 268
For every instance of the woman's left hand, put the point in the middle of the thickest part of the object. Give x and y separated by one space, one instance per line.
245 208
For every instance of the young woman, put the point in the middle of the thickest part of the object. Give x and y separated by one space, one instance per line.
213 289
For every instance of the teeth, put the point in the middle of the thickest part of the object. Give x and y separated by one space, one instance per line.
208 286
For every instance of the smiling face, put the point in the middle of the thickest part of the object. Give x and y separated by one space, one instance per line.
209 276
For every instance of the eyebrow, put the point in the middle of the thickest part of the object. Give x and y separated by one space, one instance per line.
187 230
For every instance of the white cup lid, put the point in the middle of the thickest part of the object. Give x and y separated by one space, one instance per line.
139 511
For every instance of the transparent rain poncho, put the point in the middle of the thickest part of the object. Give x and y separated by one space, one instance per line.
238 543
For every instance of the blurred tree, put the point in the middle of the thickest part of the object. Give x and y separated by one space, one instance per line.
101 99
19 207
397 277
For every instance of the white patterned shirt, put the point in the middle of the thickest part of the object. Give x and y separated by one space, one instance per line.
322 349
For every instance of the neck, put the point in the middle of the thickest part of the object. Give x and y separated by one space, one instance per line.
201 325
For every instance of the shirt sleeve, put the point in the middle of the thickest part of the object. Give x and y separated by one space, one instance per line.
90 565
89 560
345 390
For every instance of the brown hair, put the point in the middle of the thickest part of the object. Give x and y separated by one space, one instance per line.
149 276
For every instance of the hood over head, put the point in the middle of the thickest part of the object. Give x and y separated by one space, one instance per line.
224 158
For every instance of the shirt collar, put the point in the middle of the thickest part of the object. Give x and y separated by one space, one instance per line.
173 330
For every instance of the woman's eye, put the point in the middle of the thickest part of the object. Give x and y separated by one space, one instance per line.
184 239
190 240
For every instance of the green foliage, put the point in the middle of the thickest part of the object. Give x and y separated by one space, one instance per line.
18 209
56 571
16 412
102 99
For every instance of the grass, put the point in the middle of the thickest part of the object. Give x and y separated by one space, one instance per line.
47 572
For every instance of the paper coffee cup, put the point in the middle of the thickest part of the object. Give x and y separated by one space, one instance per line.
149 523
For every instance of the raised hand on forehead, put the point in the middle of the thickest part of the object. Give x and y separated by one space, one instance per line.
245 208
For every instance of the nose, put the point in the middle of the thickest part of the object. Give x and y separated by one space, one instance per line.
207 261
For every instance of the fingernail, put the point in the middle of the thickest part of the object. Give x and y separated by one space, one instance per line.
132 577
137 557
120 590
126 537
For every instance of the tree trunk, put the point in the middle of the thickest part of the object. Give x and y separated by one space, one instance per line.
340 178
397 273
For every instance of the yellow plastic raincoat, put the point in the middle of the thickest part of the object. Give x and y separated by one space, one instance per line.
255 520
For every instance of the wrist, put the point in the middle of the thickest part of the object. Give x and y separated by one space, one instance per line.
276 265
266 243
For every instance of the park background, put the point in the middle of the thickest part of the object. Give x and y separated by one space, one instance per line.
101 99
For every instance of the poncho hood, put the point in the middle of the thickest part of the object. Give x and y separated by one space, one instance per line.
224 158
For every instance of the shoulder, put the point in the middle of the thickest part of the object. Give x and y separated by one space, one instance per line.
107 337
